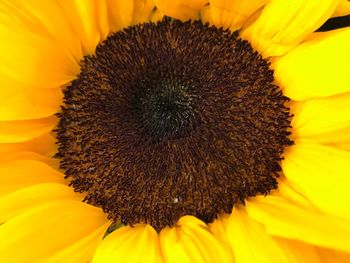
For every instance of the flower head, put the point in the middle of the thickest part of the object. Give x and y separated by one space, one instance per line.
174 131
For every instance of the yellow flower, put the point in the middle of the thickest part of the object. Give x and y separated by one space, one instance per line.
43 217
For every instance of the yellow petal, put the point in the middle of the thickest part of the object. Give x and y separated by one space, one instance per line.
17 174
191 241
27 155
282 25
120 13
297 251
44 144
130 244
44 231
316 68
21 131
46 18
102 17
205 15
333 256
143 11
181 9
318 119
22 103
156 16
321 173
250 242
33 59
82 250
284 219
219 230
29 197
342 146
232 14
289 192
343 8
82 16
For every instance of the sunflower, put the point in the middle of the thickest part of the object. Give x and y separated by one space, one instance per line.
174 131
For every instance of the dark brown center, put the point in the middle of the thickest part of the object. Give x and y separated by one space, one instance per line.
172 119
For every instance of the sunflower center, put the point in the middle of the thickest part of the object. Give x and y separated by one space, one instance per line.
172 119
165 107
